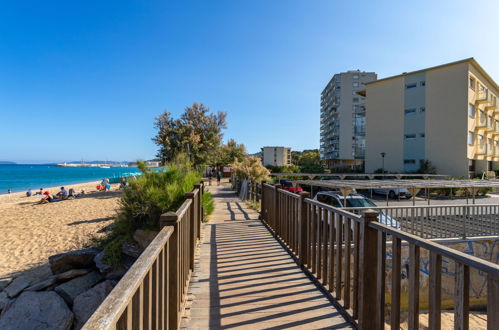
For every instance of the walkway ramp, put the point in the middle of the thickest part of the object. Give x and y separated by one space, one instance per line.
244 278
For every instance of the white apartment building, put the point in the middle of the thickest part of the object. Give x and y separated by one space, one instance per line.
343 117
445 114
276 156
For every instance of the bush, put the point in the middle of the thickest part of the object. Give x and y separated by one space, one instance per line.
251 168
145 199
208 205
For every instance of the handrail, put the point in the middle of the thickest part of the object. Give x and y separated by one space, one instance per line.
416 206
342 212
109 312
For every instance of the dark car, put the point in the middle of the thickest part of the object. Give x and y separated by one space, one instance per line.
288 185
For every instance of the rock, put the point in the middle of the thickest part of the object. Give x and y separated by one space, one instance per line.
4 281
57 278
128 261
60 263
144 237
4 300
131 249
116 274
70 290
37 310
87 303
17 285
110 272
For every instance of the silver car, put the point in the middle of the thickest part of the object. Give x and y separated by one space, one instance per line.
354 204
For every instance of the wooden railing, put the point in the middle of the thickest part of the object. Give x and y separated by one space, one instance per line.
152 293
346 254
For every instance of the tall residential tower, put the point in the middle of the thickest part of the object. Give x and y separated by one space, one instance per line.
343 116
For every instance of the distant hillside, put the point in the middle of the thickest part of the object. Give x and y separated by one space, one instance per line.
99 162
4 162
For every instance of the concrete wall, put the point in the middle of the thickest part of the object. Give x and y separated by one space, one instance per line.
276 156
384 125
447 119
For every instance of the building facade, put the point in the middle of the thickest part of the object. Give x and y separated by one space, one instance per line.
276 156
343 117
445 114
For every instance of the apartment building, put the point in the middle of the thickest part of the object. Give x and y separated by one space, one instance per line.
276 156
343 117
445 114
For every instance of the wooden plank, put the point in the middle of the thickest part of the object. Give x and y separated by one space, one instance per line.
492 302
122 323
414 254
319 243
161 293
147 301
396 270
346 272
313 239
462 297
339 248
355 288
137 309
435 291
325 250
331 219
380 269
154 296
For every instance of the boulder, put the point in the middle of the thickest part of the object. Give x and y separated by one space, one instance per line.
17 286
60 263
57 278
87 303
144 237
4 300
131 249
70 290
37 310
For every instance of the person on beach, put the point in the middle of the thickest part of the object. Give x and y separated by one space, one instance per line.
63 194
47 199
9 191
29 193
39 192
219 177
122 183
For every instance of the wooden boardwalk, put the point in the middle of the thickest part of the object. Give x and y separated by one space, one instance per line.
244 279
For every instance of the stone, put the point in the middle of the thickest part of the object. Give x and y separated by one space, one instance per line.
127 261
4 281
4 300
116 274
17 286
70 290
87 303
131 249
100 264
57 278
37 310
144 237
60 263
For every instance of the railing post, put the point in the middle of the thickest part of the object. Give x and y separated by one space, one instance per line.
174 280
368 306
303 223
192 227
275 220
262 202
199 210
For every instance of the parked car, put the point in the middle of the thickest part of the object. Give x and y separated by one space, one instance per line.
393 193
288 185
354 200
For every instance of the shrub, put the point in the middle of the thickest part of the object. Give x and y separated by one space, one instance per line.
208 205
145 199
251 168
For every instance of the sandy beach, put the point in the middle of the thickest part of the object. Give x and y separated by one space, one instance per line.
30 233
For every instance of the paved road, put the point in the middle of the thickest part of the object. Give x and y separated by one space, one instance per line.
245 279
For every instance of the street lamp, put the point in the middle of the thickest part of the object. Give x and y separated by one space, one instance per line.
383 162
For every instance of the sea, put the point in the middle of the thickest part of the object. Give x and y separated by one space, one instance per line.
20 178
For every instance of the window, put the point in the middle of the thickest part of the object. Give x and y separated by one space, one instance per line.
471 110
471 138
355 99
421 135
409 161
409 86
355 84
410 136
422 83
422 110
355 77
409 111
471 83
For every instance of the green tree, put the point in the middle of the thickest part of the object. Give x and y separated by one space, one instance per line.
251 168
231 152
310 162
198 132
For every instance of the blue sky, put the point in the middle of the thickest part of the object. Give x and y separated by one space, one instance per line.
85 79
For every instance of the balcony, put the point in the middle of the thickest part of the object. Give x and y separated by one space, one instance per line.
481 150
482 97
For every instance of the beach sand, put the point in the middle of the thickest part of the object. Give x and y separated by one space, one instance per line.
30 233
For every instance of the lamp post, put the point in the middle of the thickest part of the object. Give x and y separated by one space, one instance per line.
383 162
